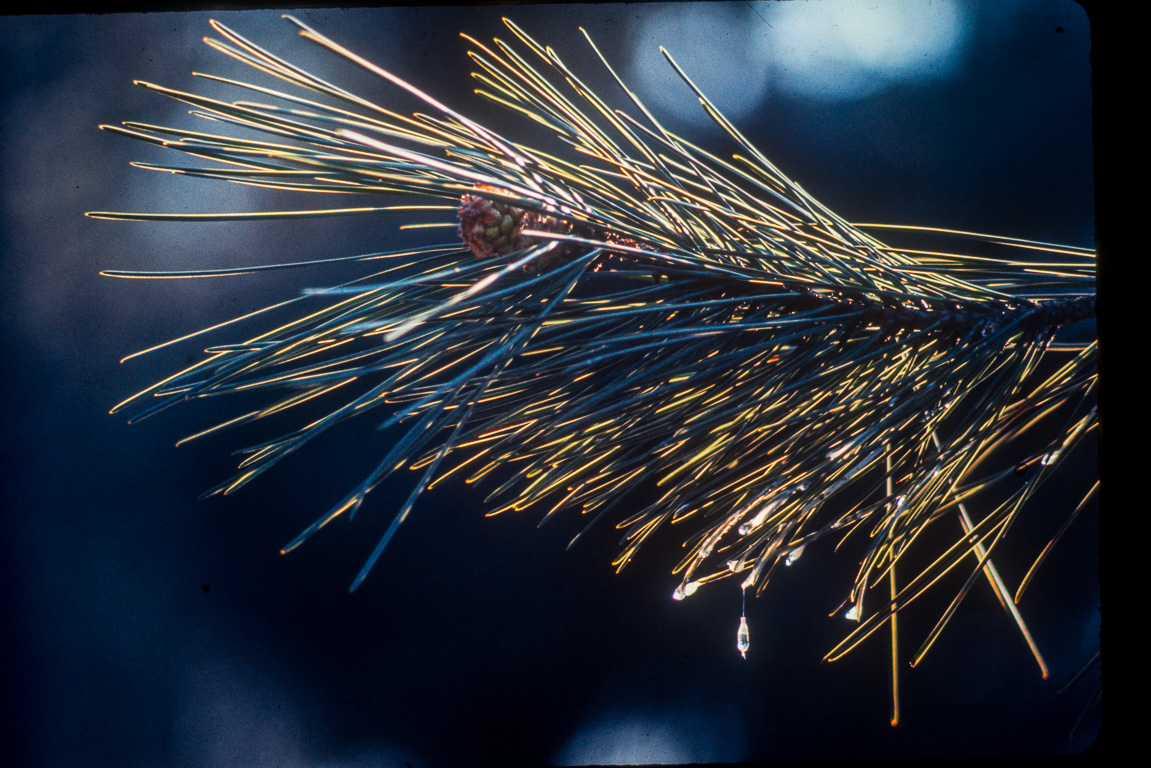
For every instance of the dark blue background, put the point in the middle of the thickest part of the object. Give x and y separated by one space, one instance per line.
148 628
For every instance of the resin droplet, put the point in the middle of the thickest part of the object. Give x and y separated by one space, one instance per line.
852 613
771 505
685 590
743 637
850 445
794 554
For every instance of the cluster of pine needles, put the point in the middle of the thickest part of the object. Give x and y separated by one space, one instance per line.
670 319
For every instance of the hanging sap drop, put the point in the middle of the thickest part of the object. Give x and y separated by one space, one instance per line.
685 590
852 613
743 637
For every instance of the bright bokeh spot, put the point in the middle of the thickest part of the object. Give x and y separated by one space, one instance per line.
655 739
710 42
851 49
831 50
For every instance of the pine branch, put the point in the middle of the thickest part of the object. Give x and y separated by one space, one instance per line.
643 312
